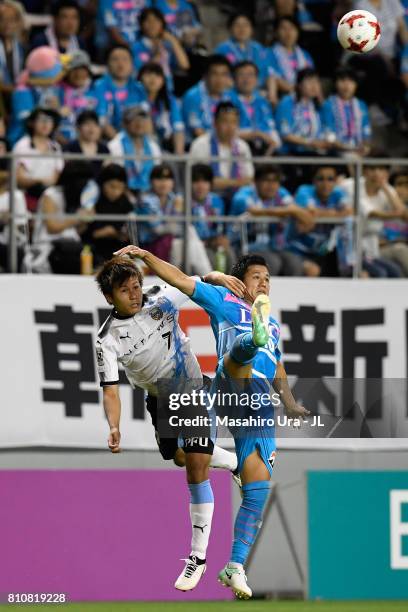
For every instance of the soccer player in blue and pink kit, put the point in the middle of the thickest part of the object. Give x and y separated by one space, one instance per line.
247 347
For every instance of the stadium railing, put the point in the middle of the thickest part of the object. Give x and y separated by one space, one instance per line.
187 218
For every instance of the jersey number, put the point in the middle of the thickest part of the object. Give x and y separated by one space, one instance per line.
168 336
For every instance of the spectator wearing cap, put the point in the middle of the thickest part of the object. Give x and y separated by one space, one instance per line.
241 47
199 102
256 122
299 118
156 44
345 117
206 203
89 140
117 89
267 197
34 174
135 140
163 237
120 20
37 86
286 58
234 168
63 34
11 48
105 237
164 108
76 94
181 20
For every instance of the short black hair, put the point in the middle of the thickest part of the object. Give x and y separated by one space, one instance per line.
289 18
112 172
225 107
265 170
346 73
39 110
162 171
151 67
244 64
202 172
306 73
63 4
240 268
113 48
327 166
87 115
233 19
115 272
146 12
216 60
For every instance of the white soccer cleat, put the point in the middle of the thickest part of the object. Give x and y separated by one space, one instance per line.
236 477
233 576
191 575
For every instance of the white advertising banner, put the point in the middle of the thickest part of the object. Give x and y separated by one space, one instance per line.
341 330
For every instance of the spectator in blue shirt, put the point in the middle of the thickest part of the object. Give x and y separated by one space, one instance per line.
268 198
345 117
200 102
11 49
181 19
164 108
63 34
117 89
120 20
256 122
156 44
206 203
285 58
242 47
299 119
324 248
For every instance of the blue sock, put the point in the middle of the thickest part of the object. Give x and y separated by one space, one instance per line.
243 349
249 519
201 513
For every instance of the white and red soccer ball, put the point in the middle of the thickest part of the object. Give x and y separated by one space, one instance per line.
359 31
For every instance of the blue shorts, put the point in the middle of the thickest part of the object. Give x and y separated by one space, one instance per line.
248 439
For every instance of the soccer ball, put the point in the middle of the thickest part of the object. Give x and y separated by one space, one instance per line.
359 31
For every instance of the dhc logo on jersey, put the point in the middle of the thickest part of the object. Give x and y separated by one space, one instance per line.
156 313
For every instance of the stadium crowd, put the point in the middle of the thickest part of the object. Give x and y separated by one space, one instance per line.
135 79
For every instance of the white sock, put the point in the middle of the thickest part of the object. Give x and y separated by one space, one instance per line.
201 518
224 459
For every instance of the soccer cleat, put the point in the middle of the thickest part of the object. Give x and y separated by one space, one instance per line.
233 576
236 477
191 575
260 312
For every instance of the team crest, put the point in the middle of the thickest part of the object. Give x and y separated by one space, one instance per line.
156 313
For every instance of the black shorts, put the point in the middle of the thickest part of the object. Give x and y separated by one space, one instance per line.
168 446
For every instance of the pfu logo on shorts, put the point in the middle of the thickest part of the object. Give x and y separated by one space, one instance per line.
196 442
156 313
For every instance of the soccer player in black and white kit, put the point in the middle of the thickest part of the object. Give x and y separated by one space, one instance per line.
143 335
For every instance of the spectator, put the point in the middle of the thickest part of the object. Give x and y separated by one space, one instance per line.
35 174
164 108
379 202
241 47
256 122
117 89
89 139
181 20
268 198
200 102
62 35
267 13
135 140
21 221
235 168
57 241
76 94
298 117
206 203
323 246
106 237
394 243
11 48
163 237
156 44
345 117
120 20
37 86
285 58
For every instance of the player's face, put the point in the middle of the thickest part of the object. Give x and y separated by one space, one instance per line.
346 88
256 281
127 298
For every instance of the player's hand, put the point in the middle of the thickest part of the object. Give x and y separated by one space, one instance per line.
229 282
114 440
132 251
296 411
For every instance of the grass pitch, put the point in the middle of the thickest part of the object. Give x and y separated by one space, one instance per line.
230 606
